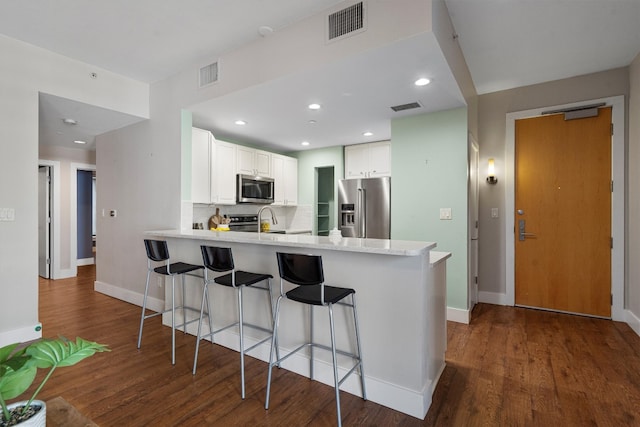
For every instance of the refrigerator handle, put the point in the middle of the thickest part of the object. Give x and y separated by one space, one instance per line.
363 212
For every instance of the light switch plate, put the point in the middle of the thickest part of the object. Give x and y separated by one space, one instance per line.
494 212
445 213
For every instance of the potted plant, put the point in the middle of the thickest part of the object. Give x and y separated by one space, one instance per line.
18 367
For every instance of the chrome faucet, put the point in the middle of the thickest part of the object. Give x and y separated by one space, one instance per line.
273 217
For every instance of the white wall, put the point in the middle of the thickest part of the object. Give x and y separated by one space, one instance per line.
24 72
633 184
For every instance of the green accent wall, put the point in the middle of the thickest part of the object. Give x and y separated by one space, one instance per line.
308 161
429 172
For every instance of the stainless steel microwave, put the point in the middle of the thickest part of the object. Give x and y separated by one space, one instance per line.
254 189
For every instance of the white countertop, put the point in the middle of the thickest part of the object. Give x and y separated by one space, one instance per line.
349 244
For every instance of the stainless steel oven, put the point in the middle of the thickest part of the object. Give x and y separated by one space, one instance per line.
254 189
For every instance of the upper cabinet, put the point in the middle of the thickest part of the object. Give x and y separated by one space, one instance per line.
212 169
367 160
201 146
253 162
285 175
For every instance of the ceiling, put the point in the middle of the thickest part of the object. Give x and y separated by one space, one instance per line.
506 43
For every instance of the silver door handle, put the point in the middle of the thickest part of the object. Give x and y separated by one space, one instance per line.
522 235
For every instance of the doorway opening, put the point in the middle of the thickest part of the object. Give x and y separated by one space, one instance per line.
325 201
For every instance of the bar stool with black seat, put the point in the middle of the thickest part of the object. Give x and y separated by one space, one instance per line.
306 271
220 260
158 252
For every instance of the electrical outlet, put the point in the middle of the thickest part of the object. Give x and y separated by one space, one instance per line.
113 213
445 213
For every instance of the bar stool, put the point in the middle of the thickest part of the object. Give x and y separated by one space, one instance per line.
158 252
220 260
306 272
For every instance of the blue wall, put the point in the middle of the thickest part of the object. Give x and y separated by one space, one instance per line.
85 215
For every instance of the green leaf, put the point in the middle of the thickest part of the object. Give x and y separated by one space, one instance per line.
14 383
62 352
6 351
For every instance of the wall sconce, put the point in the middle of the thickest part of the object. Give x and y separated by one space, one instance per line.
491 179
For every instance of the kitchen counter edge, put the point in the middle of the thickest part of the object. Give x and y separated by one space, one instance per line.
348 244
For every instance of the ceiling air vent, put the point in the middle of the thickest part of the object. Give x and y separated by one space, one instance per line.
346 21
209 74
408 106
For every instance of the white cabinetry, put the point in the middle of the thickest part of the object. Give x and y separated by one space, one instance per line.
285 175
254 162
223 175
212 169
367 160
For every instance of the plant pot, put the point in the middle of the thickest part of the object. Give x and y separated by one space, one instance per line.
38 420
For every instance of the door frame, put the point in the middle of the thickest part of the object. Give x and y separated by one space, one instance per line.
617 198
73 212
54 267
473 223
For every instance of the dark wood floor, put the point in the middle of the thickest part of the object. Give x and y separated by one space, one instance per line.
509 367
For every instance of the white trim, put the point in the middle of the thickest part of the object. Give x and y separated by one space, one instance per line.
127 295
27 333
411 402
73 213
492 298
458 315
617 198
633 321
86 261
56 272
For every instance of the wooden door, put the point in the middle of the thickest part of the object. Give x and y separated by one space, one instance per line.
563 195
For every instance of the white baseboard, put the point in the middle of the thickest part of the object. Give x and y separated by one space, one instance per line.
24 334
65 274
633 321
85 261
127 295
492 298
458 315
411 402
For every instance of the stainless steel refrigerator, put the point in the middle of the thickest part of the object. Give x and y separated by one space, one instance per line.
365 207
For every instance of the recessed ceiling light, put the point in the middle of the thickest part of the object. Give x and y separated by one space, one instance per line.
305 143
368 134
422 82
69 122
312 122
240 122
77 141
265 30
314 106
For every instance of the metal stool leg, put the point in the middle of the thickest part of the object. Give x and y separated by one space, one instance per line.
184 310
274 339
311 341
335 365
144 308
173 320
272 318
355 319
241 327
204 297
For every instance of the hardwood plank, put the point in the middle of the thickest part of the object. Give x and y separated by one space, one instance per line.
509 367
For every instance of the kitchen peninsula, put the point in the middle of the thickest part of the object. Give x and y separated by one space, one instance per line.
401 296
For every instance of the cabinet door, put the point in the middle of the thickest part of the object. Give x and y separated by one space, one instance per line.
200 165
291 181
356 161
246 160
225 173
277 170
380 159
263 163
